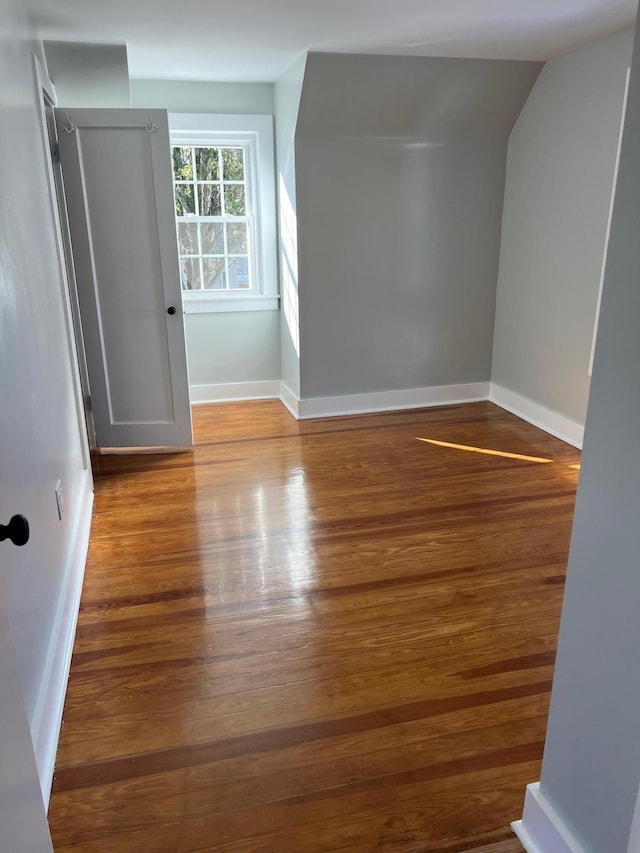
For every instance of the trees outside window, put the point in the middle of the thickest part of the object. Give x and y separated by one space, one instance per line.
224 188
214 219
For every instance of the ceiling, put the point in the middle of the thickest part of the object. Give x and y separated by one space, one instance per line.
257 40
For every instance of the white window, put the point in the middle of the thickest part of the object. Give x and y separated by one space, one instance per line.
225 211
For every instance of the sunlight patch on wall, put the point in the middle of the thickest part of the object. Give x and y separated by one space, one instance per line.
289 264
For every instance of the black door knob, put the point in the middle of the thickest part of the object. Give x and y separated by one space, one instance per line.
171 310
17 530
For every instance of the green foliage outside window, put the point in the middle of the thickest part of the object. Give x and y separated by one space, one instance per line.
210 191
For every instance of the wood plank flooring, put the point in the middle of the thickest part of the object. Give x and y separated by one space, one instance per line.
513 846
316 636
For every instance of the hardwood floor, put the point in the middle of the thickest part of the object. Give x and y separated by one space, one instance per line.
316 636
513 846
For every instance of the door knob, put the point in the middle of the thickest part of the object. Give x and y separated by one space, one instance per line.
17 530
171 310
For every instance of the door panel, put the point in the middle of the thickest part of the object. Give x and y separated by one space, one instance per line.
129 273
117 176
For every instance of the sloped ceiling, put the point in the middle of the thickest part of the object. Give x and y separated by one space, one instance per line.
250 40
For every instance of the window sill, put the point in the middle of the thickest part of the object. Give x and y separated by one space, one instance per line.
217 304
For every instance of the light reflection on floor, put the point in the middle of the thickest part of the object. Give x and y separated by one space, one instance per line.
300 563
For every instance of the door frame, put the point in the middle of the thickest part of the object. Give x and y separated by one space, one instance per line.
82 393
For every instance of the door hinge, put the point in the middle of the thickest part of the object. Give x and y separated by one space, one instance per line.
55 152
87 403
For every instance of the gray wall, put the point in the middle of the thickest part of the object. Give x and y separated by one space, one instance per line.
400 184
40 438
89 75
287 95
224 347
591 767
179 96
213 352
233 347
560 171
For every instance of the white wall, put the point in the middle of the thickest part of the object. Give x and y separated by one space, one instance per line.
560 170
591 766
287 93
39 432
400 167
89 75
226 347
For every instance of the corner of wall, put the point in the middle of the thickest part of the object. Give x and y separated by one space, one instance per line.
547 290
541 829
287 98
540 416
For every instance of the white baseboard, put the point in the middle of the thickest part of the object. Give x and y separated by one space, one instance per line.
386 401
547 419
541 829
47 716
289 399
230 391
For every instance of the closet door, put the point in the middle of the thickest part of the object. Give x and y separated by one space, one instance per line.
116 167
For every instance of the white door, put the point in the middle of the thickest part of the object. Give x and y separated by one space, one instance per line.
23 820
117 175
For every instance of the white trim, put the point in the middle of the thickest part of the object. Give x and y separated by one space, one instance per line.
46 89
47 715
192 304
386 401
541 829
389 401
228 391
544 418
44 82
289 400
257 131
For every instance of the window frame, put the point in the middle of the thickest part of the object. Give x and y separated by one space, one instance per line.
255 134
249 218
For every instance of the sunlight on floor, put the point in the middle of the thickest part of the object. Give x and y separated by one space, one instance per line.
485 451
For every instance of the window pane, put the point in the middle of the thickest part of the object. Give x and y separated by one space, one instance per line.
239 278
234 203
207 164
182 165
212 235
185 202
187 238
237 238
190 274
214 274
233 164
209 199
